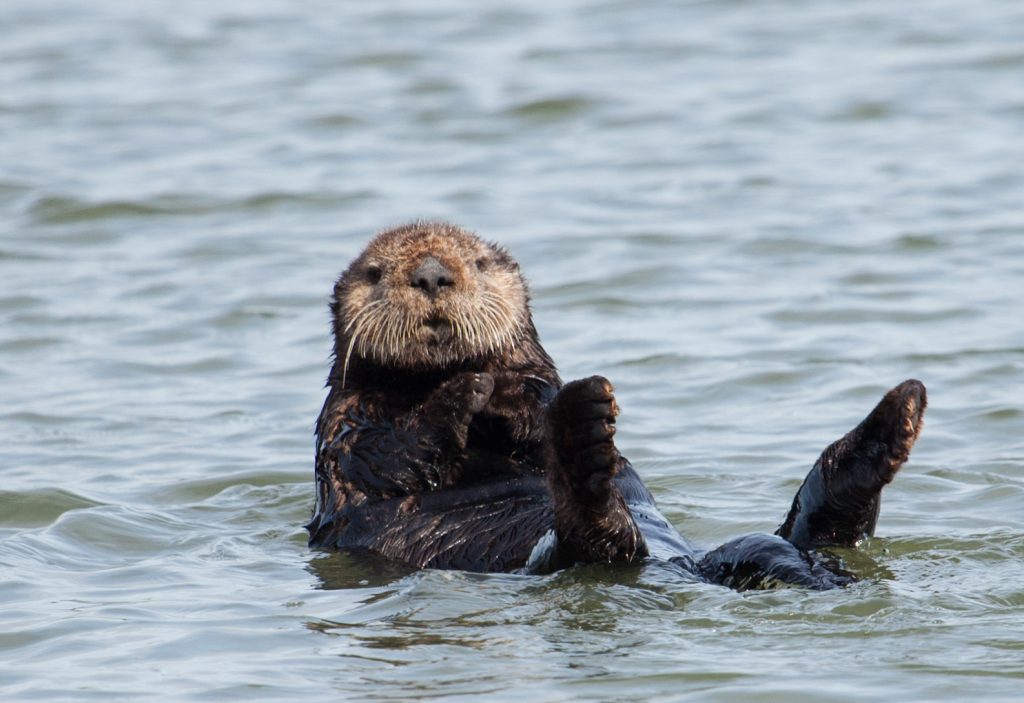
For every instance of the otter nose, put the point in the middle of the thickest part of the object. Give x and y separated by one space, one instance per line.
431 276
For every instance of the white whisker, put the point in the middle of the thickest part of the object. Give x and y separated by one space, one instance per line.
348 355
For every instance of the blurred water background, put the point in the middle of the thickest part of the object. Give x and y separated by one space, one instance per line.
754 216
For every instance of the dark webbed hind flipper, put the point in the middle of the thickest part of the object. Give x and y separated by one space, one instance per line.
592 521
767 561
838 503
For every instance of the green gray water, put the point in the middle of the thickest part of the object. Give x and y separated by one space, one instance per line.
754 216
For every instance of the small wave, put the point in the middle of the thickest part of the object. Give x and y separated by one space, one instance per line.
552 109
54 210
30 344
207 488
865 112
850 314
39 507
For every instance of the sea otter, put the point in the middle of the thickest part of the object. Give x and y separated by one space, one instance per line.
448 440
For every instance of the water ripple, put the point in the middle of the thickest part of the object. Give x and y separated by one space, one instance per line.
754 222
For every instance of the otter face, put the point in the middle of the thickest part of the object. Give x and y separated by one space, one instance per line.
426 296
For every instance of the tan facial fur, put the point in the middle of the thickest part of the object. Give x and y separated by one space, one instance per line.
382 316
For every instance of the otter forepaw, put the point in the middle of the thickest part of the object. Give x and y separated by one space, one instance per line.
582 425
477 388
592 521
458 399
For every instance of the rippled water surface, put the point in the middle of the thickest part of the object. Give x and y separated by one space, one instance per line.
753 216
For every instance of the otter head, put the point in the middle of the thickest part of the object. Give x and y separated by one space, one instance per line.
428 296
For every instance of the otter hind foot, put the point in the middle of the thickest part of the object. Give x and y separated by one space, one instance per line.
839 500
760 561
592 521
896 423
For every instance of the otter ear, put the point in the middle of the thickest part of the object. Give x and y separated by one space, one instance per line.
504 259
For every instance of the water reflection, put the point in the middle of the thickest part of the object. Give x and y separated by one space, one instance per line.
356 570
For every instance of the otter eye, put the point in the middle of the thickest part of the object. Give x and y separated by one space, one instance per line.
373 274
481 264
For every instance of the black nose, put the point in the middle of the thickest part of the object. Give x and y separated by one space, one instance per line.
431 276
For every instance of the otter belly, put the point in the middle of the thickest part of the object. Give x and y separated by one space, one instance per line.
484 527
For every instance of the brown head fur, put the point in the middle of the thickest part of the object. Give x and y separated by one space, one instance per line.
381 315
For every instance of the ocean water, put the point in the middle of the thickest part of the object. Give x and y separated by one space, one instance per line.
753 216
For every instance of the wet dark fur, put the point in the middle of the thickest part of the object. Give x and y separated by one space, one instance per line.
447 439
